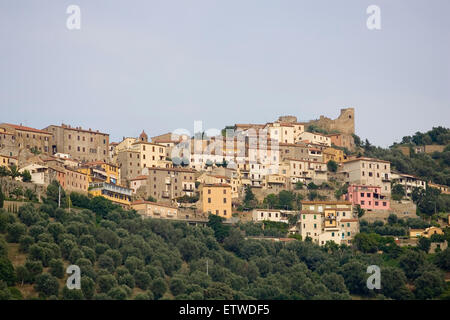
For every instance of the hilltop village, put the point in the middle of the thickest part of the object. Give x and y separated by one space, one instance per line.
312 176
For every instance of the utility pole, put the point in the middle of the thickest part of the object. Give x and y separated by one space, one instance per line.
59 196
207 267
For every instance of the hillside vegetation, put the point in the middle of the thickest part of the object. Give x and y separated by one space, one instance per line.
122 256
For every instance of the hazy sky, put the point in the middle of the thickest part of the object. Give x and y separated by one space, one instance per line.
160 65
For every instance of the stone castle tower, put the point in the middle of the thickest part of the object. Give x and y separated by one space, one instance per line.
345 123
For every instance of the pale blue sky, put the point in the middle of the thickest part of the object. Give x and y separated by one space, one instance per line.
160 65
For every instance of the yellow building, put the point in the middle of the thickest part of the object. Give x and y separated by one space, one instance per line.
333 154
6 161
216 199
117 194
100 171
426 233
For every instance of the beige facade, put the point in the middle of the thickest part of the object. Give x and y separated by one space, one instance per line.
442 188
300 151
83 145
272 215
167 184
134 156
76 181
304 171
333 154
7 161
16 137
282 132
154 210
315 138
139 181
216 199
368 171
409 182
324 221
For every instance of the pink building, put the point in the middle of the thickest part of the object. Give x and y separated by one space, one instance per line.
368 197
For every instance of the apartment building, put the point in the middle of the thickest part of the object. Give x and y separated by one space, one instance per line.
409 182
115 193
274 215
281 132
136 183
300 151
15 137
315 138
100 171
333 154
216 199
167 184
304 171
368 172
275 182
324 221
133 157
442 188
154 210
368 197
84 145
76 181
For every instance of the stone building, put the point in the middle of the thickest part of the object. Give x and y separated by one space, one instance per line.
15 137
368 172
167 184
84 145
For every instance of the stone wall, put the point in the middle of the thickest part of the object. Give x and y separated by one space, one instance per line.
404 210
345 123
7 185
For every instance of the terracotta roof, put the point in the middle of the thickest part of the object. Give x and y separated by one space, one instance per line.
152 203
78 129
94 163
327 202
349 220
366 159
172 169
23 128
140 178
308 212
309 161
217 185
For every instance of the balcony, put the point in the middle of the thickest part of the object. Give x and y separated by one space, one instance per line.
165 194
167 180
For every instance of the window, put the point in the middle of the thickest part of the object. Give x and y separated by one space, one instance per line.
209 200
224 191
224 212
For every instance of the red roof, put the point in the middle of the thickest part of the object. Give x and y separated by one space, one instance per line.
23 128
140 178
